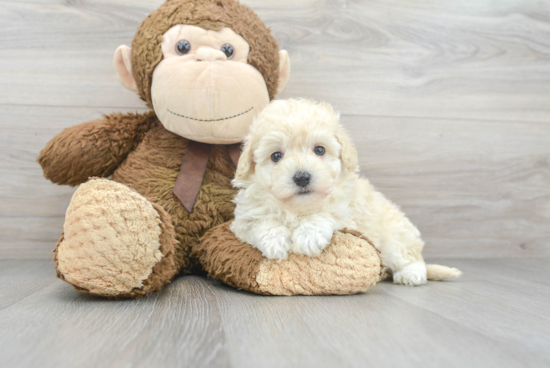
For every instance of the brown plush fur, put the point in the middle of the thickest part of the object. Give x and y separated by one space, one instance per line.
152 170
139 152
95 148
235 263
350 265
210 15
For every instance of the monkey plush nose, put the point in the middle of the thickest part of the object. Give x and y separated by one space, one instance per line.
206 54
302 179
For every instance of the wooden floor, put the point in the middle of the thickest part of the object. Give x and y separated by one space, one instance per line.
497 315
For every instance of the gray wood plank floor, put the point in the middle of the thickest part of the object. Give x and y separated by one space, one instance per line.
496 315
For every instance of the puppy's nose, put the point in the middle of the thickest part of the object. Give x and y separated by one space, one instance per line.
302 178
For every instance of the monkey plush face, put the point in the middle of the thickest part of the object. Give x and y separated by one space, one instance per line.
209 73
204 89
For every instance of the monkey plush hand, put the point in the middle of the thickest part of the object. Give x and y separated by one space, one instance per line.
206 68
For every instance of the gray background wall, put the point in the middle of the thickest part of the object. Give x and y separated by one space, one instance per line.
448 102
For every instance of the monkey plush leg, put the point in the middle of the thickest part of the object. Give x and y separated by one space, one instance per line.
349 265
116 243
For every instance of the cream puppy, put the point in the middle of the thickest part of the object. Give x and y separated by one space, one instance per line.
298 182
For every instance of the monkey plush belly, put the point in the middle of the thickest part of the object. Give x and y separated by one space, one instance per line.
152 170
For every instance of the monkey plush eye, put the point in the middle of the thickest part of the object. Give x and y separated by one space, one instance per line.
183 47
276 156
319 150
228 50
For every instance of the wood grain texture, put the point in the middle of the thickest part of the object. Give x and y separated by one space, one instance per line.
447 102
474 189
493 316
446 59
467 59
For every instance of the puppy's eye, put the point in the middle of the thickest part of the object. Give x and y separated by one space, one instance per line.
319 150
228 50
183 47
276 156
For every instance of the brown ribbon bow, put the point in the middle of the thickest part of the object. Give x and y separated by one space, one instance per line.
193 167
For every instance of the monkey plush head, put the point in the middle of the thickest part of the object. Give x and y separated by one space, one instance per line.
207 68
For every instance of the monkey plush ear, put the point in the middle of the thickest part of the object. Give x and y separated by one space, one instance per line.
348 154
245 161
284 70
123 67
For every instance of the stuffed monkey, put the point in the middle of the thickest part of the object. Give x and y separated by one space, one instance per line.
206 68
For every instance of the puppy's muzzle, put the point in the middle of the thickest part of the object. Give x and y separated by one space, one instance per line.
302 179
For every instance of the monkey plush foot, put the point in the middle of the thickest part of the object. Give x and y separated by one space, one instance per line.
115 243
349 265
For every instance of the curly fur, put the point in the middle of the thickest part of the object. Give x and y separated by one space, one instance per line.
278 216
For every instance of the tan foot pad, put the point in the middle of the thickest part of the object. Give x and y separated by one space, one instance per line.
349 265
115 242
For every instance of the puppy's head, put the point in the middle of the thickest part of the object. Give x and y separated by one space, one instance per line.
297 150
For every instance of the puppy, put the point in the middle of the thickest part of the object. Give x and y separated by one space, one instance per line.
298 182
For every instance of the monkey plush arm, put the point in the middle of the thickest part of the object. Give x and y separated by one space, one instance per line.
95 148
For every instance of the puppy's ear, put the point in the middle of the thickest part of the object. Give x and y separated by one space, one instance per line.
348 154
245 161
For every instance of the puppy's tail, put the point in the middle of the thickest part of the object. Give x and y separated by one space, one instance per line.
440 273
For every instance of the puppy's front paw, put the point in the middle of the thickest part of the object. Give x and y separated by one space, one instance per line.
310 240
411 275
274 245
